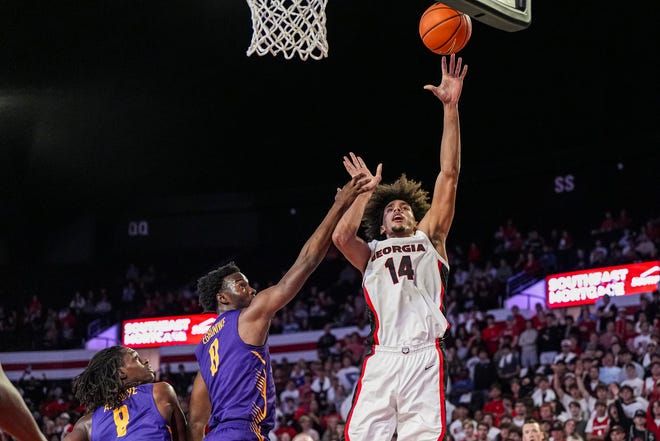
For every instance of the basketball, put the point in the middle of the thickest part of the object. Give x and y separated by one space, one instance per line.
444 30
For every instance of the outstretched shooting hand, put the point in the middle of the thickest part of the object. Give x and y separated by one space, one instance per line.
449 90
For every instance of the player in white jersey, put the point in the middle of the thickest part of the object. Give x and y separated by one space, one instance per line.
405 270
404 283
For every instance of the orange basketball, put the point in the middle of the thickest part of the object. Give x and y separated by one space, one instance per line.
444 30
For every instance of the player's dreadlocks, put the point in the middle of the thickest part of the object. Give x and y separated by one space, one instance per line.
100 383
209 285
404 189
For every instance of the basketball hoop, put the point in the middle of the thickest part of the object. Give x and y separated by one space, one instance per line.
289 27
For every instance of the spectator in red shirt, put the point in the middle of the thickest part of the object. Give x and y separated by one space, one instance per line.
586 322
355 345
539 319
511 330
607 224
285 428
34 308
531 265
620 323
653 418
519 318
495 404
491 334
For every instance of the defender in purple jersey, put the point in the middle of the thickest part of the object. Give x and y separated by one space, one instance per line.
233 395
123 403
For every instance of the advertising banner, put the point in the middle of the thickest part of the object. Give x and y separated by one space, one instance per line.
586 286
165 331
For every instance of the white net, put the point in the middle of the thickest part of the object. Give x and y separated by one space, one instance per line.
289 27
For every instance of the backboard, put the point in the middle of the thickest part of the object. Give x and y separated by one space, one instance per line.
507 15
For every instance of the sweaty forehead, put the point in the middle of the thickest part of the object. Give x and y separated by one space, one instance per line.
235 277
397 203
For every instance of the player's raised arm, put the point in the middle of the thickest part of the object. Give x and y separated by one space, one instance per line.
255 319
437 221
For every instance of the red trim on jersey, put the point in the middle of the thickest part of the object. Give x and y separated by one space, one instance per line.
358 388
443 410
442 292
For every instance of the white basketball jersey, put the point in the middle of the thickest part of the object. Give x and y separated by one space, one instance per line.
404 286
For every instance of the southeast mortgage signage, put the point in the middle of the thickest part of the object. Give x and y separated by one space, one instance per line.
586 286
166 331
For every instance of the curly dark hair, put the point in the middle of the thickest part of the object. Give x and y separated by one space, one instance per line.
100 383
404 189
209 285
